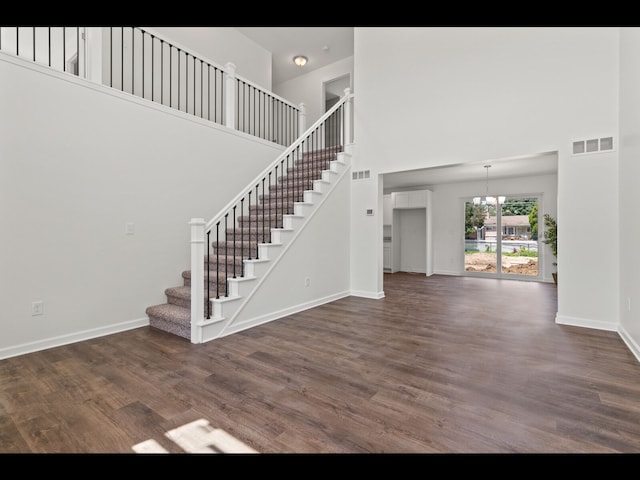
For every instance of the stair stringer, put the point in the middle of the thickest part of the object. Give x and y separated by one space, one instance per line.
226 318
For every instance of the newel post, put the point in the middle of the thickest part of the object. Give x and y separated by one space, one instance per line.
348 116
230 96
197 276
302 119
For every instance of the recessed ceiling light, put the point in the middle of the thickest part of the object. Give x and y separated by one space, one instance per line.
300 60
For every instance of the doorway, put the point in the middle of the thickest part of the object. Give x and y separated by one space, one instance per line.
412 240
333 90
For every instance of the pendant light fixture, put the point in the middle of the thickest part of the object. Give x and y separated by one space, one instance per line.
300 60
487 199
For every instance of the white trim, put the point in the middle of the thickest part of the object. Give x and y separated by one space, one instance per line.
541 254
269 317
446 272
289 150
628 340
587 323
363 294
72 338
291 241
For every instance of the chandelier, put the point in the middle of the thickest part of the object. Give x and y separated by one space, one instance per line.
488 199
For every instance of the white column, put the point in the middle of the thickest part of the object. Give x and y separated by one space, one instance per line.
230 95
197 276
302 119
348 118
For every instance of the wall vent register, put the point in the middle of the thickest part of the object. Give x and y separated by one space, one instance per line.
360 175
593 145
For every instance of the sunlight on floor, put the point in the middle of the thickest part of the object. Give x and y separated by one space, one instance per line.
197 437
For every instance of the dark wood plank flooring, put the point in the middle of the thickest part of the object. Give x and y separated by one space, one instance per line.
443 364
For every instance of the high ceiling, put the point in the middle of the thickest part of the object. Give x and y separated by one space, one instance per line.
325 45
321 45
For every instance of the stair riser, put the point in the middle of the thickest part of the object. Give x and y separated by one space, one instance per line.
214 277
253 236
230 271
319 155
273 205
297 184
212 285
174 328
304 184
283 194
229 263
185 302
257 222
300 174
268 208
261 213
249 251
313 171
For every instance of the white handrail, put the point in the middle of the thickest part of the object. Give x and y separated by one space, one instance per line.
284 154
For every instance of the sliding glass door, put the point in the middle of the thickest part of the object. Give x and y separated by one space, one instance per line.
501 238
480 246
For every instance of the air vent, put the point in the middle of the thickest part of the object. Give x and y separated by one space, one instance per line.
593 145
360 175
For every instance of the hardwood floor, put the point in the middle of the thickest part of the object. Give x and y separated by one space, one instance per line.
443 364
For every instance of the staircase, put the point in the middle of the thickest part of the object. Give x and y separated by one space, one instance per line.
254 239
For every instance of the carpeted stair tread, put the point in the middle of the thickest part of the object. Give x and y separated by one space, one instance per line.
215 275
185 292
245 234
222 259
181 296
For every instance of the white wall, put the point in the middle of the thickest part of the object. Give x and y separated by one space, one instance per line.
309 88
78 161
448 217
437 96
222 45
588 291
629 158
320 253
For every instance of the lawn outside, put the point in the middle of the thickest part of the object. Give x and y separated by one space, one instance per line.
486 262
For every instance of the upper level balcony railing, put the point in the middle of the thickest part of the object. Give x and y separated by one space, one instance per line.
142 62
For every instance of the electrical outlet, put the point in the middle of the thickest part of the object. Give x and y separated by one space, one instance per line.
37 308
307 281
130 228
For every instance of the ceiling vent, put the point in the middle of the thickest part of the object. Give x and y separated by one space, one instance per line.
593 145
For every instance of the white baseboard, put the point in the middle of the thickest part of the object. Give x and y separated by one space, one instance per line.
71 338
363 294
631 344
413 269
587 323
445 272
269 317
